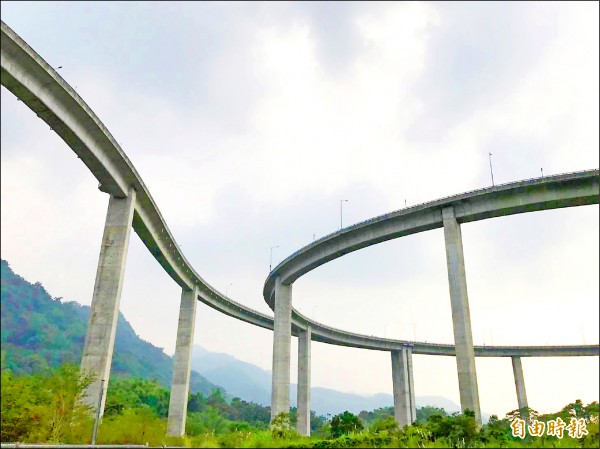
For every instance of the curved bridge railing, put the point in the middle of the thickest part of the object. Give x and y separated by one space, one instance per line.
564 190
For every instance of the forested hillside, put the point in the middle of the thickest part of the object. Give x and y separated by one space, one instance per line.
40 332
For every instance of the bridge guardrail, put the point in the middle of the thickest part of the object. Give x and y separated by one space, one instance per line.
428 203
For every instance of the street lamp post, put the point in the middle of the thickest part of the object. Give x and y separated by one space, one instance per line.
271 259
491 171
542 170
341 202
227 288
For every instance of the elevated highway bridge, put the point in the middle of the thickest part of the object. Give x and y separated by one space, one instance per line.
46 93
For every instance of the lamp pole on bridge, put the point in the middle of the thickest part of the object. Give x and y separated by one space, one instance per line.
271 259
226 288
341 202
491 171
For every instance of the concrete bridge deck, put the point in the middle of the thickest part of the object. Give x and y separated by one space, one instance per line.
564 190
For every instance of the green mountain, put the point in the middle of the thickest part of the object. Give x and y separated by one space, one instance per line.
39 331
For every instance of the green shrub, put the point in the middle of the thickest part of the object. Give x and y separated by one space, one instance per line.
387 424
207 421
134 426
45 408
281 427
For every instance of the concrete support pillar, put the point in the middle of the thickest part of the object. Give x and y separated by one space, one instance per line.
282 336
461 318
411 385
403 385
519 383
182 362
303 422
104 312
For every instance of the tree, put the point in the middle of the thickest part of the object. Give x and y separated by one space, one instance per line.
425 412
455 428
525 413
207 421
316 421
496 431
134 392
196 402
344 423
18 397
281 426
47 408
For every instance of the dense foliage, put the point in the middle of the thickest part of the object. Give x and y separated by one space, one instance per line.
344 424
40 332
43 408
379 414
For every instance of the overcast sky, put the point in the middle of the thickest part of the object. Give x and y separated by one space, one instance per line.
249 122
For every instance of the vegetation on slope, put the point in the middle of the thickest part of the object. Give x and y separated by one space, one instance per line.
40 332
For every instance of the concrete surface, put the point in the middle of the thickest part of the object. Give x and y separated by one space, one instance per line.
519 382
282 335
104 310
303 399
461 317
182 363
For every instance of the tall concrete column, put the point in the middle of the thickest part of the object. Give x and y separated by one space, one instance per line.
104 311
411 385
182 362
303 422
461 318
404 405
519 383
282 336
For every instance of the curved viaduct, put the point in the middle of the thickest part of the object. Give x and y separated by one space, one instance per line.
46 93
565 190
